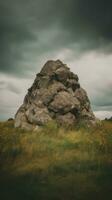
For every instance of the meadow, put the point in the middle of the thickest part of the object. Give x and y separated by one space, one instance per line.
56 163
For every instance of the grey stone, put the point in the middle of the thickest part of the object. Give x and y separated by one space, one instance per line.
67 119
50 67
72 83
61 74
64 102
38 116
55 94
81 95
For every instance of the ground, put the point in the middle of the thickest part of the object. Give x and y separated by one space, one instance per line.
56 163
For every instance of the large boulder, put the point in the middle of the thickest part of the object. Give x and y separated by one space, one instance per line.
64 102
38 116
55 94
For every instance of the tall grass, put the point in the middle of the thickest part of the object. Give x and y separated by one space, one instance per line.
54 163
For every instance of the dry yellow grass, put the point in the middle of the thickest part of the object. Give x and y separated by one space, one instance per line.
57 163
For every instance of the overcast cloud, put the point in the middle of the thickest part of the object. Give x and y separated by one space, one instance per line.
77 32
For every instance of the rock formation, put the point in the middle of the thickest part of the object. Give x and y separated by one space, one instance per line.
55 94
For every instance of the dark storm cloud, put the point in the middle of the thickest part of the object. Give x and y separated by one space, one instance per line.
26 29
14 32
88 18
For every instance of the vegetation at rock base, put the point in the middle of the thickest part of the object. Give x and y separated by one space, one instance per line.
56 164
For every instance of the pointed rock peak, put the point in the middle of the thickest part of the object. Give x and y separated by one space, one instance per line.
59 62
51 66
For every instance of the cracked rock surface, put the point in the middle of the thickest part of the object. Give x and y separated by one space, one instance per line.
55 95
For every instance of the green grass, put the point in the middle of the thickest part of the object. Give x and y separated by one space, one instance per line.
56 164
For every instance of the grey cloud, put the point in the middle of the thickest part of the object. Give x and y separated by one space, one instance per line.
26 27
11 87
104 99
4 85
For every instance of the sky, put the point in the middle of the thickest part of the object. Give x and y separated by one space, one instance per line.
78 32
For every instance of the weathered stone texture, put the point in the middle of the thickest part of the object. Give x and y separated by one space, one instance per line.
55 94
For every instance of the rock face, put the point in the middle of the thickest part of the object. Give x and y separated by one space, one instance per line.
55 94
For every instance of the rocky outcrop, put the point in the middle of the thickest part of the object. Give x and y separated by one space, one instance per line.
55 94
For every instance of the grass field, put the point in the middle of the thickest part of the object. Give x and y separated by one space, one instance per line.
56 164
